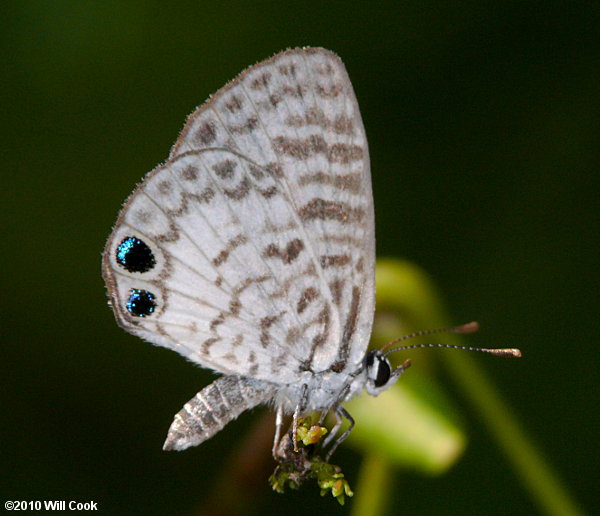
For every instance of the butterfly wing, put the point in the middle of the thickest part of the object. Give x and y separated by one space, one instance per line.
251 250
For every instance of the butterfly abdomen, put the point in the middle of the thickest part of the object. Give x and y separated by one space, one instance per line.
213 407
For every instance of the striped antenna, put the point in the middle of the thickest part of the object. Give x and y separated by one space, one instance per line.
471 327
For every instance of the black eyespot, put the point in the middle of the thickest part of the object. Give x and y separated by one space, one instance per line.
383 372
134 255
141 302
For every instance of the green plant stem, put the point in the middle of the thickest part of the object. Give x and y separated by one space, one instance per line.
541 481
406 291
372 487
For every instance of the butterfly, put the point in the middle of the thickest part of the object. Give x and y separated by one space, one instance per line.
251 250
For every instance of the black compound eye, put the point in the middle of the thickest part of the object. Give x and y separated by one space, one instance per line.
383 372
134 255
141 303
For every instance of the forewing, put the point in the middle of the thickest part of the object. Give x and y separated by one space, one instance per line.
260 228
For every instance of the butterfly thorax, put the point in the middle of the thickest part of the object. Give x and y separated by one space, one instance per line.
322 391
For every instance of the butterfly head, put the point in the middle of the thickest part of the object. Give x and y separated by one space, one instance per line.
380 375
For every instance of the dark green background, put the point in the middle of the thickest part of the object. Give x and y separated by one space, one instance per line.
482 120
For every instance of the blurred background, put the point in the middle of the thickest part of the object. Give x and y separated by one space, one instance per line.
483 123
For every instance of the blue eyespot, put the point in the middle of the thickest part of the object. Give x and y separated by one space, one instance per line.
141 303
134 255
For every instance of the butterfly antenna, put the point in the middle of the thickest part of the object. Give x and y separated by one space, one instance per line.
471 327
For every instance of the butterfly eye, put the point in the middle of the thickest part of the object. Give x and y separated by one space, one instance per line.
379 369
384 371
141 303
134 255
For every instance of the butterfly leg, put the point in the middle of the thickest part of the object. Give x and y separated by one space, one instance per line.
278 425
338 420
334 430
341 412
299 409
